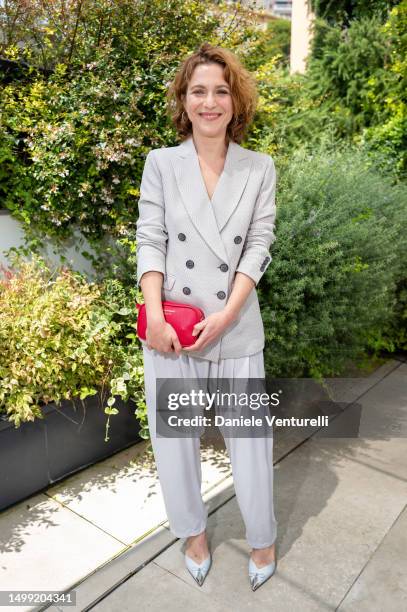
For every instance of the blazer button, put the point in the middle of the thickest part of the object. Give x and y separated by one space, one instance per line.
181 236
221 295
189 263
186 290
237 239
224 267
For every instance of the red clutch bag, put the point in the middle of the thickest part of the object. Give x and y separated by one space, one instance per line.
182 317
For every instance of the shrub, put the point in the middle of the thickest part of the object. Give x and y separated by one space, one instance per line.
338 261
80 132
62 337
389 134
344 12
272 42
353 90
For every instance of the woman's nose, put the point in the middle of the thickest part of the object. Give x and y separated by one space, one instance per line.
210 100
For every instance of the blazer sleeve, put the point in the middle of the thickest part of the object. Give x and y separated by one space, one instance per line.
255 257
151 234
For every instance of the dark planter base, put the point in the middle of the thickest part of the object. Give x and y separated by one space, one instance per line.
68 439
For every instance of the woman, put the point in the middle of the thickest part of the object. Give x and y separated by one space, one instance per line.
206 220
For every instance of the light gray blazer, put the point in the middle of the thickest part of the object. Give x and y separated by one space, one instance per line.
199 244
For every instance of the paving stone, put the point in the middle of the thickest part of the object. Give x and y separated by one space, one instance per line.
383 583
33 559
157 589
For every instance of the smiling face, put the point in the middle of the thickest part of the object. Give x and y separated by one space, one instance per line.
208 100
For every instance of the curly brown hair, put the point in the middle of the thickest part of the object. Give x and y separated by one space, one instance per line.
241 82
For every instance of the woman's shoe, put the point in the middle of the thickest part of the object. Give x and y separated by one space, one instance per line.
259 575
198 570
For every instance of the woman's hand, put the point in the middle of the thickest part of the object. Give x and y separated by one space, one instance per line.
161 336
211 327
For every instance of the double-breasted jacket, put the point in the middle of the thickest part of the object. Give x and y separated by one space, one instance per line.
199 244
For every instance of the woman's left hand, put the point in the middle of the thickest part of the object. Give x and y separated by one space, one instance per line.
211 327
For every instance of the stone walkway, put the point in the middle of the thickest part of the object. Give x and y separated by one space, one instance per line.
340 505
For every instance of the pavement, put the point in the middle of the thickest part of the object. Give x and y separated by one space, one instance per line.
340 503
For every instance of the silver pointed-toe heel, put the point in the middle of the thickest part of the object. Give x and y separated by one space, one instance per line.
198 571
259 575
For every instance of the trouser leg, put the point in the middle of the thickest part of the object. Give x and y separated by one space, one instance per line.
177 459
252 464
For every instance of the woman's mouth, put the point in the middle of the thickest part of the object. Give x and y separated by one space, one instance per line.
210 116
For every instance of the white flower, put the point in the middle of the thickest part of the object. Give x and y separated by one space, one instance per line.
132 141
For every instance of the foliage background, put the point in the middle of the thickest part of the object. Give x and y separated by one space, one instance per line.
83 101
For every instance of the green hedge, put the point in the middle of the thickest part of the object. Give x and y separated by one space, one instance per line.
75 140
72 146
62 337
338 263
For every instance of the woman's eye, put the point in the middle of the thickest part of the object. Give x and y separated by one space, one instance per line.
199 92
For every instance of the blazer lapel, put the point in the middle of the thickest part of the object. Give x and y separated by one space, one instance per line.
209 217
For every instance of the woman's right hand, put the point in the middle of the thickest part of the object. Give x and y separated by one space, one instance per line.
161 336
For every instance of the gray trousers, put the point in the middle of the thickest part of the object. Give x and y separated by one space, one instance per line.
178 459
